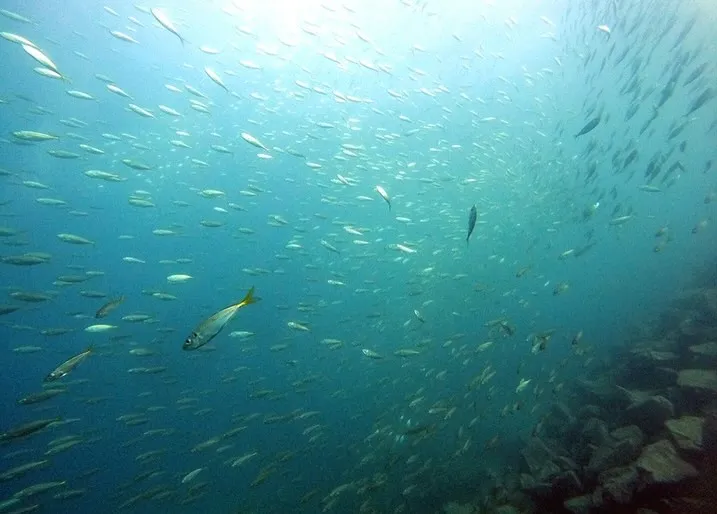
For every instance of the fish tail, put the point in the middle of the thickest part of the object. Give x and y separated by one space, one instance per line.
249 298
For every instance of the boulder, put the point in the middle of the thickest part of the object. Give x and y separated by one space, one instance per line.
704 354
663 378
647 357
661 464
595 432
701 379
536 453
559 421
505 509
579 504
708 349
589 411
650 413
567 483
616 453
619 484
631 432
686 432
531 486
457 508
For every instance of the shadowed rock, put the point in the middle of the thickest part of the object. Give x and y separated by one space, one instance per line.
686 432
702 379
580 504
619 484
661 464
613 454
650 413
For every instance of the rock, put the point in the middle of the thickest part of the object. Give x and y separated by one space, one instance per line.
589 411
536 453
595 432
538 489
709 432
704 354
619 484
663 378
661 464
505 509
580 504
706 349
631 432
599 391
547 472
457 508
614 454
633 395
686 432
650 413
567 484
689 326
647 356
703 379
559 421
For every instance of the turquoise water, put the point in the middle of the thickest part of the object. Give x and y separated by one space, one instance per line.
444 105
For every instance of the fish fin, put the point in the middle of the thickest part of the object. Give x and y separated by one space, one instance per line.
249 298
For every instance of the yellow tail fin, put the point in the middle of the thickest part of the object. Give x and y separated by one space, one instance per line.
249 298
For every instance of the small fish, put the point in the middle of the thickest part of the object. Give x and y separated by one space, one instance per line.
210 327
522 385
472 217
40 57
109 307
253 141
329 246
371 354
28 429
706 95
588 127
165 22
621 220
67 366
381 191
215 78
191 475
649 188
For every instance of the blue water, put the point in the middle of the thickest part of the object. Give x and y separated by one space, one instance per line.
497 108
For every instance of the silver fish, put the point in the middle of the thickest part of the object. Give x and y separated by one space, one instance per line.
209 328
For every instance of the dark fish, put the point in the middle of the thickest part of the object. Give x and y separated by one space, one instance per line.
695 74
472 217
589 127
7 309
109 307
41 396
27 429
67 366
707 95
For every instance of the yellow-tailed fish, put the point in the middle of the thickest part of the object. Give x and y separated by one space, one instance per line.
67 366
109 307
210 327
